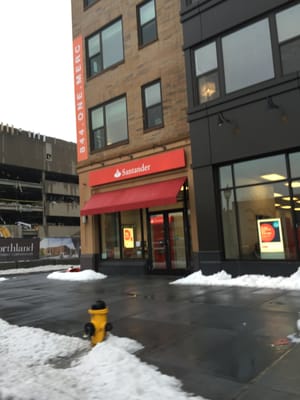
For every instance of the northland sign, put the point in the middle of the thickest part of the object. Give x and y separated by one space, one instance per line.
166 161
12 249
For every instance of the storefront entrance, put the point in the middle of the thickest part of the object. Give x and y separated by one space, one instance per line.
167 241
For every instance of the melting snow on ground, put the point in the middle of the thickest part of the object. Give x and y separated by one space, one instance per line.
85 275
39 365
224 279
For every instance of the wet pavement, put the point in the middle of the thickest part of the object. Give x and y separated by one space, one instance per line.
222 343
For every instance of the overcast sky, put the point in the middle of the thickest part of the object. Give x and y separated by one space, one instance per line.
36 79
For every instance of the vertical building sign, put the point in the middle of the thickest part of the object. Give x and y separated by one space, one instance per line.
82 149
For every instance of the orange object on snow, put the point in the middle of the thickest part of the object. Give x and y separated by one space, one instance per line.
73 269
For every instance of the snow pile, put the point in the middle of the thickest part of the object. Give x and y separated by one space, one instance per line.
85 275
260 281
39 365
42 268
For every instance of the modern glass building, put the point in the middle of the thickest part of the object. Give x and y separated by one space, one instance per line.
242 63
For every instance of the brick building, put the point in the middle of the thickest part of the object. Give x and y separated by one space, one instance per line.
136 186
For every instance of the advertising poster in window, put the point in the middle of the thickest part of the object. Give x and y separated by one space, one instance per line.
270 238
128 237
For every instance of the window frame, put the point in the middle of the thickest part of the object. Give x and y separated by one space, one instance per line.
146 109
207 73
286 201
276 53
99 34
88 3
140 27
104 128
282 43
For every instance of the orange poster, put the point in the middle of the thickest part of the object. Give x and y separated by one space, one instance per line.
82 146
128 237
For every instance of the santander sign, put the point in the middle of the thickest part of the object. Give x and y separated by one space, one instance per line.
166 161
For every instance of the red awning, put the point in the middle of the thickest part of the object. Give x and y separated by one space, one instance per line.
132 198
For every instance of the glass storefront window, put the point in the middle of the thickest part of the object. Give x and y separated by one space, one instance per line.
296 205
110 236
226 177
260 170
261 208
295 165
265 202
121 235
132 238
229 221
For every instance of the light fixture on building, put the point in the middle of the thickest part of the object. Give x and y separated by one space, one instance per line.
84 219
223 120
273 106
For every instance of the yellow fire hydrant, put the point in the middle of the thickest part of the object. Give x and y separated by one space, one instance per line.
96 329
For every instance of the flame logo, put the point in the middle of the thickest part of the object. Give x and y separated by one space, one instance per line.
117 174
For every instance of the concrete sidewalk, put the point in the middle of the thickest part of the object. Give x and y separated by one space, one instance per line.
222 343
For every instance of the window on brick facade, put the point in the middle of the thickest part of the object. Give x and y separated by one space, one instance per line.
87 3
152 105
288 29
147 28
206 66
108 124
105 48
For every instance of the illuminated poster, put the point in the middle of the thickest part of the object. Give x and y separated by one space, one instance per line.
270 238
128 237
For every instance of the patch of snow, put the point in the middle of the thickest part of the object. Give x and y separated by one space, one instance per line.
39 365
85 275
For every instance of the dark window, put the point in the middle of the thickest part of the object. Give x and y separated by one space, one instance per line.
190 2
108 124
147 23
247 56
105 48
260 208
206 66
88 3
153 116
288 29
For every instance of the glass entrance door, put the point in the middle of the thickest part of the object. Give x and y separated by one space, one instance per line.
168 244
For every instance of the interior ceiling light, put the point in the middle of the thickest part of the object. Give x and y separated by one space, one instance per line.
297 208
286 207
277 205
295 184
272 177
277 194
287 198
